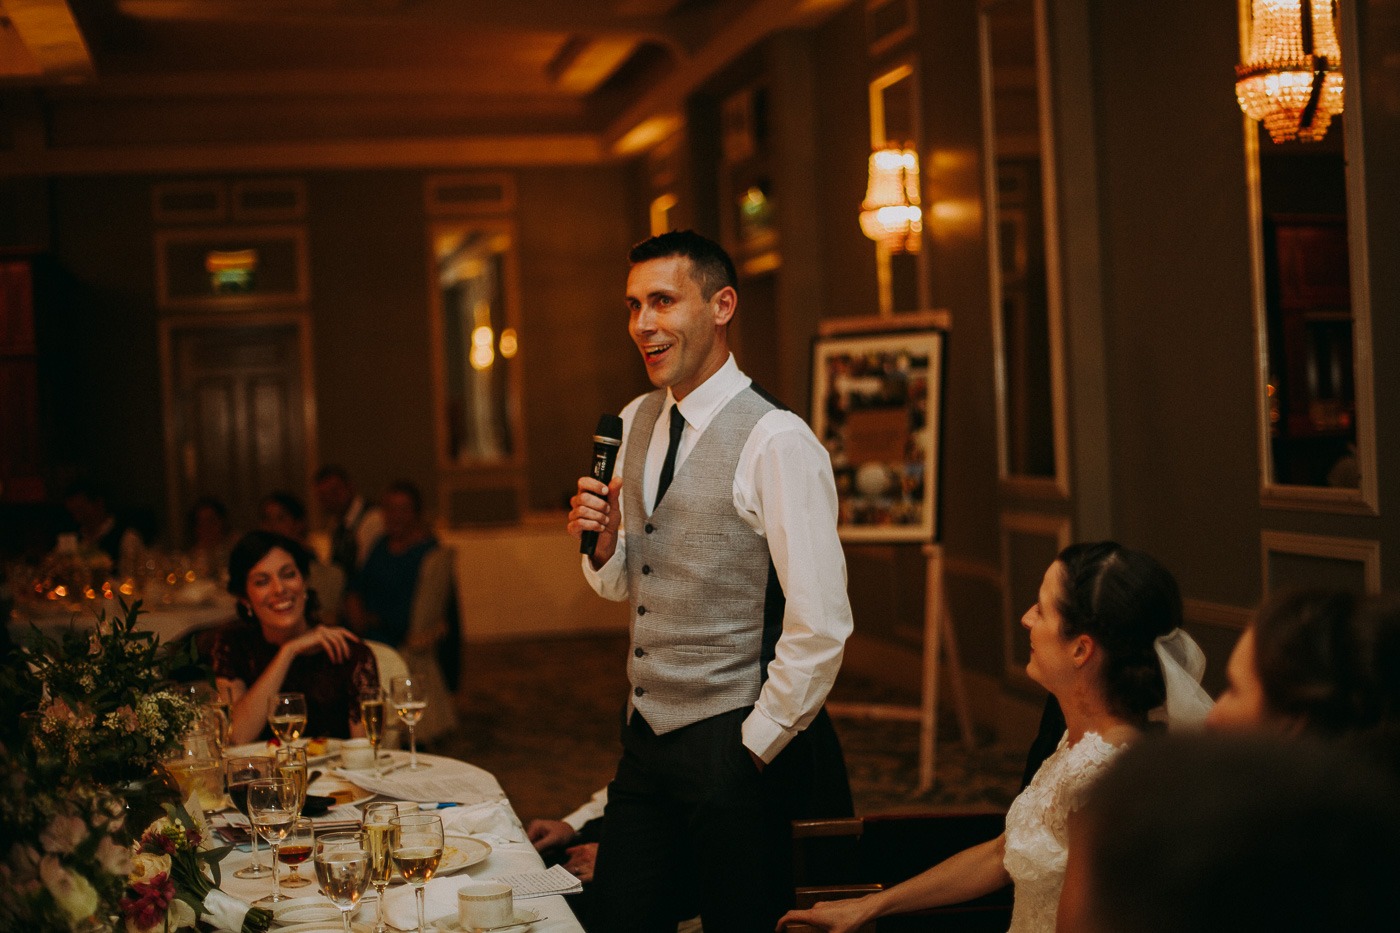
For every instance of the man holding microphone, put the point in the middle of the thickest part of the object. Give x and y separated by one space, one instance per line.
720 528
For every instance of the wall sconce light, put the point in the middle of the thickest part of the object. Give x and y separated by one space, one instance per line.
1291 78
890 214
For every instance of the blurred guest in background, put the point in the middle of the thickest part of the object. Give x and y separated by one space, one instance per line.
100 530
278 645
1217 833
403 596
354 526
285 514
1322 662
208 536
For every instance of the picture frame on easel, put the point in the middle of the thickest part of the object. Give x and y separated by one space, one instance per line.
877 399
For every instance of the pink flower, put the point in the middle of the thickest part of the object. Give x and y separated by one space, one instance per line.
147 909
63 834
74 894
116 859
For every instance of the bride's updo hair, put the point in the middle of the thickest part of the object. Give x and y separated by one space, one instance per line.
1124 600
252 548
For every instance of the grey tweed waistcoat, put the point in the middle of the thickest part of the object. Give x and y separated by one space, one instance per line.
698 576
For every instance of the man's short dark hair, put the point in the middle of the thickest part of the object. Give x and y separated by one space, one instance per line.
406 487
710 265
332 471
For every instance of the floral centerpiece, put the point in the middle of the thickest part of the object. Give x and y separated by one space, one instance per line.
84 721
175 879
96 703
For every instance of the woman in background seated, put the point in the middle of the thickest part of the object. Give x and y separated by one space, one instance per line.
285 514
1324 662
1106 641
403 596
209 536
278 644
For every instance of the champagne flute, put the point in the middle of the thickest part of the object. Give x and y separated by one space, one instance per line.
242 772
286 714
416 846
291 764
372 719
271 805
409 699
296 848
378 831
342 867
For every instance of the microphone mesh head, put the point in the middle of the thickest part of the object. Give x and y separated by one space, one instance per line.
609 426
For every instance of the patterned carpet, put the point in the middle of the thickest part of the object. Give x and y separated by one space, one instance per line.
543 714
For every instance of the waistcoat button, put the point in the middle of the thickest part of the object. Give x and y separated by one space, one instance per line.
646 569
641 610
650 528
638 691
638 652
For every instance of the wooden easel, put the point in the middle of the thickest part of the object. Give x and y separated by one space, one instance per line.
940 642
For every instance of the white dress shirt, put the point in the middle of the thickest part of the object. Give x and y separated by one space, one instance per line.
784 491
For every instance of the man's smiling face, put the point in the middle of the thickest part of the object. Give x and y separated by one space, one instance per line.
679 332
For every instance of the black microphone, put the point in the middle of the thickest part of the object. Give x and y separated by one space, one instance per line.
607 440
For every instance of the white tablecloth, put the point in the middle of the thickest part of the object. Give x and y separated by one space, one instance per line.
170 622
507 857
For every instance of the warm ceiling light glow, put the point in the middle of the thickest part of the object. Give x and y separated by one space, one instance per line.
647 134
482 355
1291 78
890 213
510 343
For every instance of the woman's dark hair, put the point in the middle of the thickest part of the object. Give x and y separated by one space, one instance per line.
253 547
408 488
1313 651
1124 600
288 503
1225 833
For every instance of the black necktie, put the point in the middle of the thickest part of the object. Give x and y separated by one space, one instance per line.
668 467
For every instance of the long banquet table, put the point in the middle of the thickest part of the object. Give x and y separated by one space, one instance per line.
510 854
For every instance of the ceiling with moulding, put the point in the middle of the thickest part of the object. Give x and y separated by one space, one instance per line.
200 85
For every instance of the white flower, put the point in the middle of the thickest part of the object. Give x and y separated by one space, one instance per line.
145 866
180 916
75 896
63 834
114 858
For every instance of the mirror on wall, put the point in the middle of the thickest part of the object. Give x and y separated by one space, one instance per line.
894 118
477 320
1021 234
1316 444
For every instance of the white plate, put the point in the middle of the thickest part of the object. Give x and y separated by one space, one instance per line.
524 916
329 785
306 910
332 748
464 852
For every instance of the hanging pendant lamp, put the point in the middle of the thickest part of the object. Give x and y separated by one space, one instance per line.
1291 79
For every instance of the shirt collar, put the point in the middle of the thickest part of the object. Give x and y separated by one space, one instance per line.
705 401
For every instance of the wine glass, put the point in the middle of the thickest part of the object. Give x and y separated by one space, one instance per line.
372 719
409 699
296 848
199 776
378 832
342 867
416 846
241 772
291 764
272 808
286 714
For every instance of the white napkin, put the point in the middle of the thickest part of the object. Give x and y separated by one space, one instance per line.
439 900
492 818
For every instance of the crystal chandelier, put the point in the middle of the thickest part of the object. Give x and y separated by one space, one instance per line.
890 214
1291 78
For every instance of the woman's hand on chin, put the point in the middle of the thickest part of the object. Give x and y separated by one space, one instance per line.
332 639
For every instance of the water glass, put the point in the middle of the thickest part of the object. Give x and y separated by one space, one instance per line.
416 846
342 867
410 700
241 772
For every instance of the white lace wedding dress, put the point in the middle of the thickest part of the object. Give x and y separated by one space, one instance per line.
1036 832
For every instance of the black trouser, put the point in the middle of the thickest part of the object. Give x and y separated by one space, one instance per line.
691 820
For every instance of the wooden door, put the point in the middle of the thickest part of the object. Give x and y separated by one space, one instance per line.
239 412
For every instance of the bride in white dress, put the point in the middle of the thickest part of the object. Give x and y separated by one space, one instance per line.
1106 641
